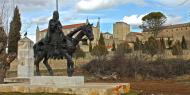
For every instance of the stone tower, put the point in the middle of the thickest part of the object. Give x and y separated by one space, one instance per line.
120 31
98 23
96 31
37 33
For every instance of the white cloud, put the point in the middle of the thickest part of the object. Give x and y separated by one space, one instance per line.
136 20
41 20
32 5
173 3
133 19
87 5
172 19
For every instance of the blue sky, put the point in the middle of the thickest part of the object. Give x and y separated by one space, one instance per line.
38 12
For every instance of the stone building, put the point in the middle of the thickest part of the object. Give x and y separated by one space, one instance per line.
108 38
67 28
132 36
122 33
174 32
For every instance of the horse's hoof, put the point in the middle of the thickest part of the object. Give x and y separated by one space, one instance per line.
38 74
51 74
69 73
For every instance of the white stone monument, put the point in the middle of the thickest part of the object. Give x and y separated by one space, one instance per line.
25 58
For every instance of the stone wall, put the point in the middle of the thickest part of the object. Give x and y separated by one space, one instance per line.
175 32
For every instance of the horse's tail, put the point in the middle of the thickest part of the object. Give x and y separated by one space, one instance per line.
38 47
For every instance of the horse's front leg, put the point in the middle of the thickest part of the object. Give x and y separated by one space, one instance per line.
70 65
50 71
36 63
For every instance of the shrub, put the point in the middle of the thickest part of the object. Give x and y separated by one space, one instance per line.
137 44
133 67
122 49
183 43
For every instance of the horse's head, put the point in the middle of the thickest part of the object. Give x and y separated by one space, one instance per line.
87 30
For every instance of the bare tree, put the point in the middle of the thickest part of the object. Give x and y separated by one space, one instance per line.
5 59
6 10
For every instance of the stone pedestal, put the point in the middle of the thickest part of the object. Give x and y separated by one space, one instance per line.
26 58
57 81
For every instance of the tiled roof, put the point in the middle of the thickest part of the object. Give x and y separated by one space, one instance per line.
68 26
73 26
109 46
107 33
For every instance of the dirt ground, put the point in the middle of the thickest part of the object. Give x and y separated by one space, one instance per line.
155 87
177 86
161 87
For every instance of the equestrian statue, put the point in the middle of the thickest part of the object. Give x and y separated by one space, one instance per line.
56 45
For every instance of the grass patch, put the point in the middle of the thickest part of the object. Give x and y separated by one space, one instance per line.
43 72
32 94
132 93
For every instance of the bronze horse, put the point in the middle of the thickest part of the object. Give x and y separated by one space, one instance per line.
41 49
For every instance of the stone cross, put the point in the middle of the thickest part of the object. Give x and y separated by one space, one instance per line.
57 5
25 58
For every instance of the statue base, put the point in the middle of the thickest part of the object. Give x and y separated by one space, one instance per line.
57 80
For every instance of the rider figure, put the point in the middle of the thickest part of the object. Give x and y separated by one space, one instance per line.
55 37
55 34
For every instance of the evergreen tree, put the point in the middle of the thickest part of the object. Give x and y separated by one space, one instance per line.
122 49
113 46
14 33
144 47
137 44
102 45
152 46
96 51
3 40
177 49
101 40
183 43
90 46
100 49
169 43
162 46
